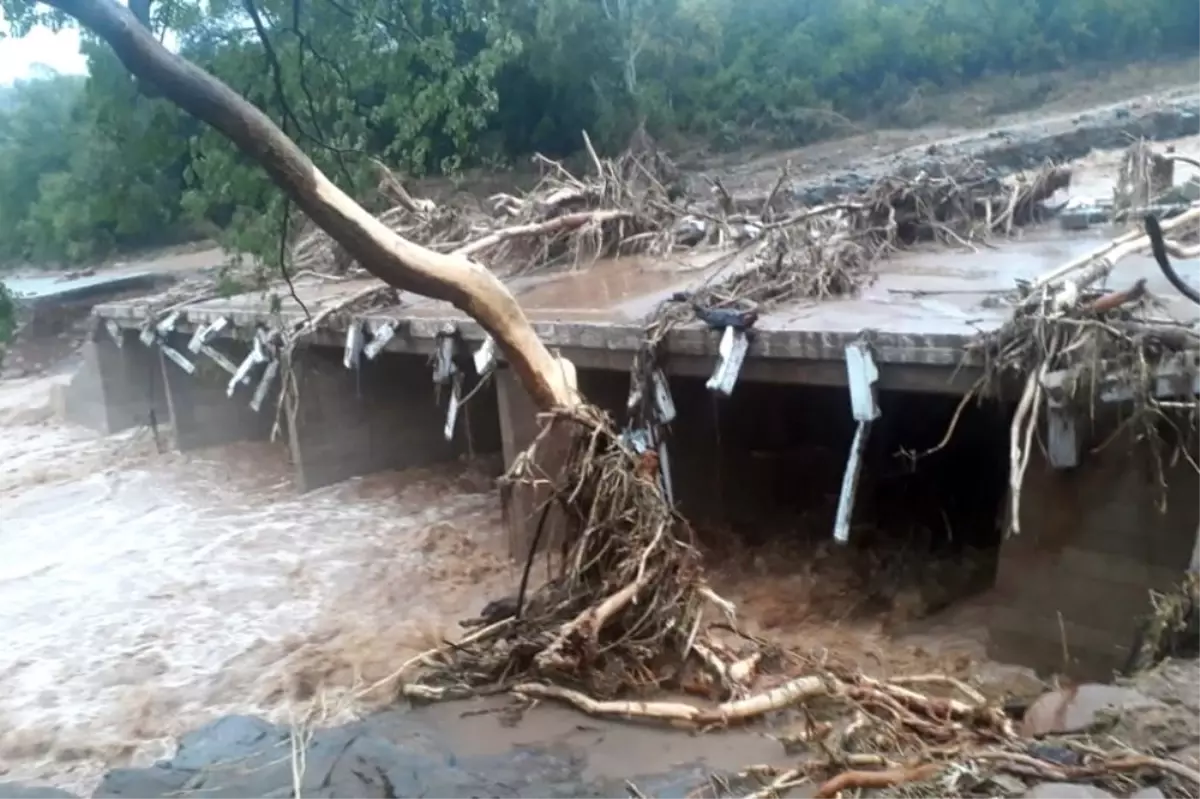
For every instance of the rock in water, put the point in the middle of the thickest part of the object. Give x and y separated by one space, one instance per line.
1077 709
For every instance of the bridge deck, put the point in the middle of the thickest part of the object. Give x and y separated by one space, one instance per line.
923 308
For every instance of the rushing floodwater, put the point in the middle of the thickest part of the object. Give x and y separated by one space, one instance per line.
143 594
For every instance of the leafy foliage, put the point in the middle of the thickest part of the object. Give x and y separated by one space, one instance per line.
89 165
8 317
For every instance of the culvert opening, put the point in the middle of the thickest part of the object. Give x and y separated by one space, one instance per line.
759 475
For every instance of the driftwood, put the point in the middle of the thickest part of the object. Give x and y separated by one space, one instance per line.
1061 323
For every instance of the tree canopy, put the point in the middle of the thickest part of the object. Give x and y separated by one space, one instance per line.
88 165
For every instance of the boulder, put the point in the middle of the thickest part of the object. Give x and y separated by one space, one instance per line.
1080 708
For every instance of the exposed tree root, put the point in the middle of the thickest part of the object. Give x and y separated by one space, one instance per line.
859 780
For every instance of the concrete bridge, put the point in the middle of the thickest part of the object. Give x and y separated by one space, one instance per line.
1099 529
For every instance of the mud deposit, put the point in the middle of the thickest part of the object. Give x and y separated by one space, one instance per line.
1005 150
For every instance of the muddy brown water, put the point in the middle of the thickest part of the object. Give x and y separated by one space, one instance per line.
143 595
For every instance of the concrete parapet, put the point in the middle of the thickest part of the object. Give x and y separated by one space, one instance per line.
201 412
117 387
1072 587
383 416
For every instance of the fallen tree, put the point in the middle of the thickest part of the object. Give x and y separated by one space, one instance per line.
455 278
629 610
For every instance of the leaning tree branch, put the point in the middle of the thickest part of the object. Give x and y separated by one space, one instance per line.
456 279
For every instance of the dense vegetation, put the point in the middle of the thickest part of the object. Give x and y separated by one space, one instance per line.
8 319
91 165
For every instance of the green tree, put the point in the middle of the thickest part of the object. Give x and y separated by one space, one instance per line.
427 86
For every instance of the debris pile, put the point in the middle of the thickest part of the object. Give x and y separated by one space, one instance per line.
637 203
1171 629
624 208
1145 175
629 617
1145 183
831 250
1066 341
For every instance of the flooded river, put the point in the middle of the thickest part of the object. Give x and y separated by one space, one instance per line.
144 594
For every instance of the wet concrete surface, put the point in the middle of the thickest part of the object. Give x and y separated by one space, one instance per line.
38 290
925 291
457 749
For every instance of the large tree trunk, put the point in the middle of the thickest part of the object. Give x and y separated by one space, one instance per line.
467 285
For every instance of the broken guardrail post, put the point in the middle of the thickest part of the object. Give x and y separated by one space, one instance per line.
383 334
664 403
167 325
446 371
664 414
485 356
664 473
257 355
200 344
264 385
352 354
205 333
443 356
642 441
114 330
732 350
146 334
452 408
862 375
1062 430
159 334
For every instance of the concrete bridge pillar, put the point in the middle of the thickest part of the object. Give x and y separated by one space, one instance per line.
117 387
202 414
519 427
1072 587
522 504
383 416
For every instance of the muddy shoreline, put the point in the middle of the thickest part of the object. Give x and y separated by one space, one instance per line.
466 749
391 754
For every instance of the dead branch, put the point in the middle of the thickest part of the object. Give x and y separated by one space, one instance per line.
875 779
1115 299
558 224
734 712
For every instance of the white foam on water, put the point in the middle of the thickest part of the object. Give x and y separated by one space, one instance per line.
144 594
